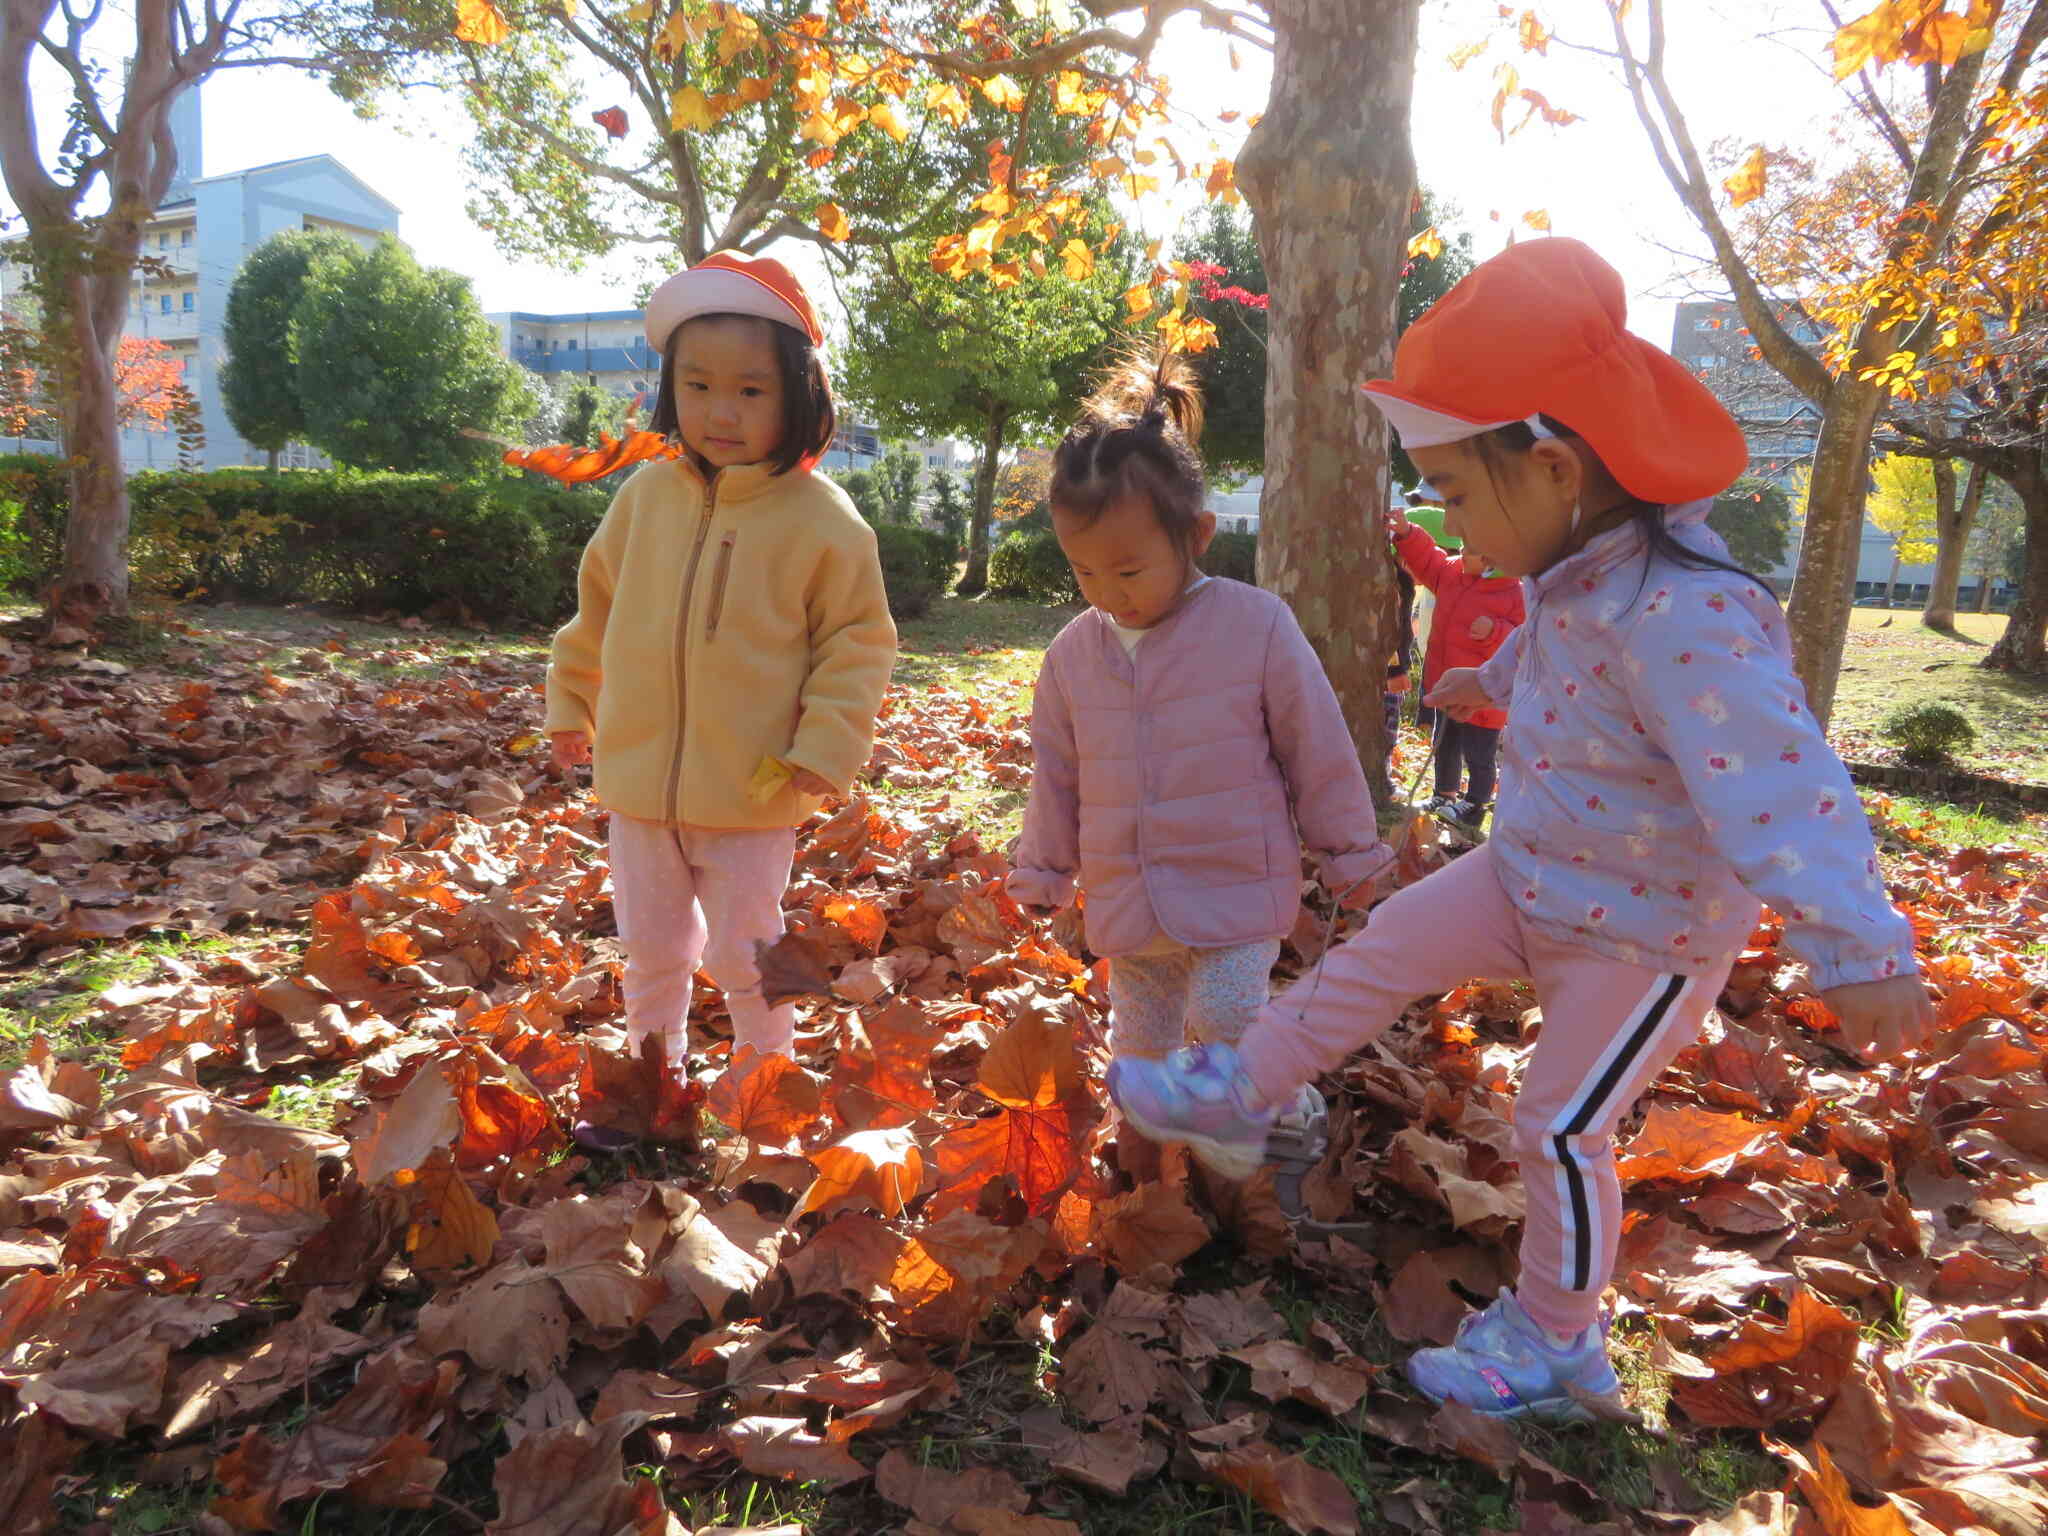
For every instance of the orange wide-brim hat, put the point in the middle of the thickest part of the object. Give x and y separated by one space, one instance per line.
1541 329
732 283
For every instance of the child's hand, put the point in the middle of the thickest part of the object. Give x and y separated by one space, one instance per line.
1481 627
571 749
1397 523
1398 683
1458 692
1882 1019
805 782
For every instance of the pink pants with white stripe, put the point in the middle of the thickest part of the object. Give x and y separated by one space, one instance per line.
690 895
1608 1030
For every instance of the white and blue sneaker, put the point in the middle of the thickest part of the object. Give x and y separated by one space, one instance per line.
1198 1095
1504 1365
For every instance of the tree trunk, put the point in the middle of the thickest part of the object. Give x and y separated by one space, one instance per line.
974 581
1891 580
1958 515
1824 587
1329 175
92 582
1984 579
2024 645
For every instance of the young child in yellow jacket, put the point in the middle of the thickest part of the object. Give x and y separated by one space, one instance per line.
730 647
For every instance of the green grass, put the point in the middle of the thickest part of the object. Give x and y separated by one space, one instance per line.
1985 824
1885 666
59 998
967 643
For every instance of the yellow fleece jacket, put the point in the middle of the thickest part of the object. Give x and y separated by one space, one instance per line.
718 624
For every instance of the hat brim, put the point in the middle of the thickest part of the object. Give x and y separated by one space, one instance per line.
717 291
1423 426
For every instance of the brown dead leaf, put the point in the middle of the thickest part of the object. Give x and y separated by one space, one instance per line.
1771 1371
793 966
1107 1376
937 1496
448 1229
1309 1499
1421 1307
566 1481
1282 1369
1153 1224
785 1447
509 1319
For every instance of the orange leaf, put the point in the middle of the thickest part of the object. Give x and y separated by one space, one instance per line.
1003 92
1428 244
447 1227
479 21
689 110
1747 184
890 1082
878 1169
765 1098
1034 1148
1866 38
832 222
944 100
1538 219
1687 1144
1078 260
573 465
864 921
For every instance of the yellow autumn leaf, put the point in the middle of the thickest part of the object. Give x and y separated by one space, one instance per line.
740 33
883 116
1197 334
755 88
643 12
1005 274
1003 92
832 222
1078 260
1538 219
479 21
689 110
820 128
996 200
1428 244
1747 184
945 100
1222 180
1036 261
1138 301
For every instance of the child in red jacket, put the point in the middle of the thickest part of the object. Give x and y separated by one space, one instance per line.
1475 613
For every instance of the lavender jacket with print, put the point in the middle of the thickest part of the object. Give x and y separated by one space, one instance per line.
1662 772
1171 780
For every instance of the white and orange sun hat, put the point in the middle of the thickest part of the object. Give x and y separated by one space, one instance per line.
1541 330
732 283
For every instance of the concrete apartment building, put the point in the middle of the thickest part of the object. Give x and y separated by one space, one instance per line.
1781 425
193 247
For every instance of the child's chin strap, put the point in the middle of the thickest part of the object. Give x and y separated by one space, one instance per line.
1535 424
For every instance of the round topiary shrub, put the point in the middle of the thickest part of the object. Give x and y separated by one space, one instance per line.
1929 734
1028 563
1235 555
917 563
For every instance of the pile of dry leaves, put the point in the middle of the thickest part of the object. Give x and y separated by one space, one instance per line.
1849 1262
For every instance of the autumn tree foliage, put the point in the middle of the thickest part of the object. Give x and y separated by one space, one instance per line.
871 122
1880 305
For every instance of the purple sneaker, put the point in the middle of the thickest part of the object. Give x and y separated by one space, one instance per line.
1505 1366
1199 1095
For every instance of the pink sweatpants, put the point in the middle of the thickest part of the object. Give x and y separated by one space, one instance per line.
690 895
1608 1030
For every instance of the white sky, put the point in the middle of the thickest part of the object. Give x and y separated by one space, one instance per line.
1596 178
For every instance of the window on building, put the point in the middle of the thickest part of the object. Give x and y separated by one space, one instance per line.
163 242
165 303
184 237
190 298
572 343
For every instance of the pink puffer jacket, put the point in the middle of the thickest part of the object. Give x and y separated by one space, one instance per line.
1172 782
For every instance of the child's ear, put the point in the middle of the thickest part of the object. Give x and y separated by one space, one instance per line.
1205 532
1559 464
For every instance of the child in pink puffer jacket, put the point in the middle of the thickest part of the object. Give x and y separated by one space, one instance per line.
1186 741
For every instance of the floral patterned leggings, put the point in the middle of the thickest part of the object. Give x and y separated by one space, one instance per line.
1159 1001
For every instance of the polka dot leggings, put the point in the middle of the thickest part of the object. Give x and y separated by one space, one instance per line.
1159 1002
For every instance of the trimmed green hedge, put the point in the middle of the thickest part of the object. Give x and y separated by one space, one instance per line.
1027 563
917 566
498 548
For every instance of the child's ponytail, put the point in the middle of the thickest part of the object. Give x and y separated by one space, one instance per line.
1136 436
